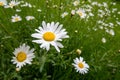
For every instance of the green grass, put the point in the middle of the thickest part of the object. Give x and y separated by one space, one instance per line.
103 58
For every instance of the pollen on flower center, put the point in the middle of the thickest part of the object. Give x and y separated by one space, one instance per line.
48 36
21 56
1 3
80 13
81 65
17 19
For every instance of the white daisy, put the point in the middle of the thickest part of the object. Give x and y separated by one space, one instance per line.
3 2
16 18
76 3
23 55
28 18
50 34
81 13
80 65
64 14
12 3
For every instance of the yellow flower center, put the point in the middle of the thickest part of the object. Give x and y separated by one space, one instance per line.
48 36
21 56
1 3
16 19
81 65
80 13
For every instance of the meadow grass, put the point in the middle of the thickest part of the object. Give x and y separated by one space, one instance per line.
85 34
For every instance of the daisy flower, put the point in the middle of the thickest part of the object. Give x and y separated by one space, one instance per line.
16 18
28 18
23 56
50 34
81 13
12 3
76 3
3 2
64 14
80 65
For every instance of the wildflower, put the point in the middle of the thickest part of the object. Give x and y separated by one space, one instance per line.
64 14
76 31
81 13
50 34
28 18
12 3
55 6
103 40
3 2
73 12
76 3
18 10
26 4
118 22
105 4
119 12
80 65
23 56
16 18
91 14
17 69
94 3
39 10
111 32
78 51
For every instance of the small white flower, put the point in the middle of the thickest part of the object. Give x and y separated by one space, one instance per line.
76 3
118 22
23 56
91 14
55 6
105 4
111 32
79 51
64 14
16 18
103 40
73 12
3 2
94 3
12 3
18 69
80 65
81 13
28 18
76 31
18 10
101 27
39 10
50 34
119 12
26 5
